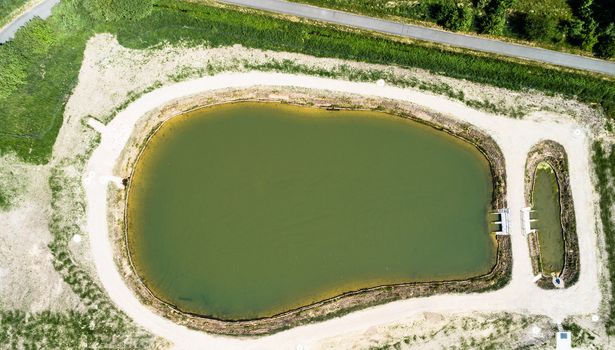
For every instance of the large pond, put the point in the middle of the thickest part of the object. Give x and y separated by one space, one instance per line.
249 210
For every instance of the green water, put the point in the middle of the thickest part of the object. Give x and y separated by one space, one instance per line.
545 201
249 210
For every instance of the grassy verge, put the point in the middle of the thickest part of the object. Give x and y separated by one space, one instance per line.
419 10
7 7
38 75
71 330
604 164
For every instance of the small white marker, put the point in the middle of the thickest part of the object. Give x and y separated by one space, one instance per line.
595 318
577 132
76 238
536 330
380 82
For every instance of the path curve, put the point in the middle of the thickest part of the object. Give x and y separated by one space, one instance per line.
42 10
514 136
430 34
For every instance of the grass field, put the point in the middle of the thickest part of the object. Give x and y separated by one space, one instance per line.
38 71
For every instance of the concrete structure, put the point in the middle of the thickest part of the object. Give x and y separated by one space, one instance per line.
563 340
504 222
526 221
557 282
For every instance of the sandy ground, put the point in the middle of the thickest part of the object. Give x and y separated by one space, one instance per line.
112 74
515 137
28 280
431 330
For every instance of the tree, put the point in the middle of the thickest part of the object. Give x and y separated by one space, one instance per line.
455 16
540 27
589 38
480 4
605 47
118 10
582 31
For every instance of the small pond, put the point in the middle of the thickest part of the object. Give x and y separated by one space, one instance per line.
545 202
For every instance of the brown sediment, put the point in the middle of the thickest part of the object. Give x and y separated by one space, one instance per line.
497 277
555 156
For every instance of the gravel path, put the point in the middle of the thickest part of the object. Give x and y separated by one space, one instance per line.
430 34
515 138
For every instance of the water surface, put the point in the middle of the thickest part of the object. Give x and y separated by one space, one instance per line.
249 210
545 201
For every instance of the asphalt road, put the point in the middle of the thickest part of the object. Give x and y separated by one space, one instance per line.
42 10
429 34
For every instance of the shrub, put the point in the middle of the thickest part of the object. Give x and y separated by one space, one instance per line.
540 27
589 38
605 47
481 4
118 10
582 31
35 38
12 72
495 16
455 16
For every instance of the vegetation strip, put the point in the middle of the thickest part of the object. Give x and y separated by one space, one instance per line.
412 31
39 68
604 167
344 303
585 26
554 154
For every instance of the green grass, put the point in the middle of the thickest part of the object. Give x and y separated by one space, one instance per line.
33 105
6 9
4 201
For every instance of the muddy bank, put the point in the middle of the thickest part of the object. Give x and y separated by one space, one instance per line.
341 304
554 154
